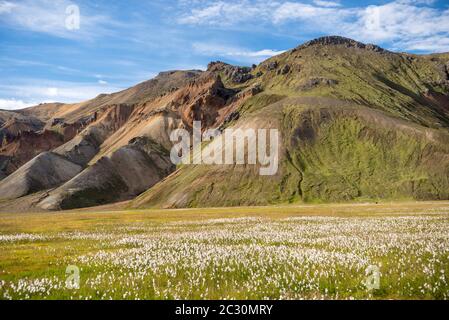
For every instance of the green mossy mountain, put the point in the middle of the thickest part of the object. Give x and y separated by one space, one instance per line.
357 123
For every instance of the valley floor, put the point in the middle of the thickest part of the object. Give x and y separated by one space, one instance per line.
282 252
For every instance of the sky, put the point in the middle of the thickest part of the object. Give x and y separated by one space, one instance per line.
70 51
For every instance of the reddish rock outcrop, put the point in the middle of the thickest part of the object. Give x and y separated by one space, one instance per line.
25 146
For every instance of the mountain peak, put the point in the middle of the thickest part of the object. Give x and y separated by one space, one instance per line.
338 40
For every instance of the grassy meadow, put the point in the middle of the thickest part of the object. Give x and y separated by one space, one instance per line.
279 252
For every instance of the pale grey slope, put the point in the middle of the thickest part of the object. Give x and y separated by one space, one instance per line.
122 175
45 171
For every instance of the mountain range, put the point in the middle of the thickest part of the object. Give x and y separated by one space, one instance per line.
357 123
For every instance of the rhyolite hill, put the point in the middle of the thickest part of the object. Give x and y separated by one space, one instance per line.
357 123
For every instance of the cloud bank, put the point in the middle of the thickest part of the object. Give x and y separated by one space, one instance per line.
404 24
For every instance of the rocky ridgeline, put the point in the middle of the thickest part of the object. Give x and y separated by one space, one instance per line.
234 73
337 40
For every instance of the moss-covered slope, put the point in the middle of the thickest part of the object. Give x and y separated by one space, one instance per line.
357 123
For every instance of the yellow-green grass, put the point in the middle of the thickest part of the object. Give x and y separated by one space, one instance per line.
307 251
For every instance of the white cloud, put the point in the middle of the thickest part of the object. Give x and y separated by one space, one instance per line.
435 44
400 23
68 70
102 82
45 91
261 53
36 63
427 2
51 92
328 4
235 53
13 104
315 16
6 7
221 13
50 17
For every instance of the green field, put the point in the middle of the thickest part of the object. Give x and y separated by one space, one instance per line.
283 252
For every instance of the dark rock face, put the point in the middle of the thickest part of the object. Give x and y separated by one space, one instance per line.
314 82
447 71
284 70
203 100
444 74
233 116
337 40
57 121
241 75
272 65
17 124
235 74
216 66
238 74
256 89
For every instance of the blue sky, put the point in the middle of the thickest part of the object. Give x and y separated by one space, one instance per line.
121 43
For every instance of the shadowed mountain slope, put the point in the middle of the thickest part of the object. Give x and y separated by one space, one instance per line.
45 171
